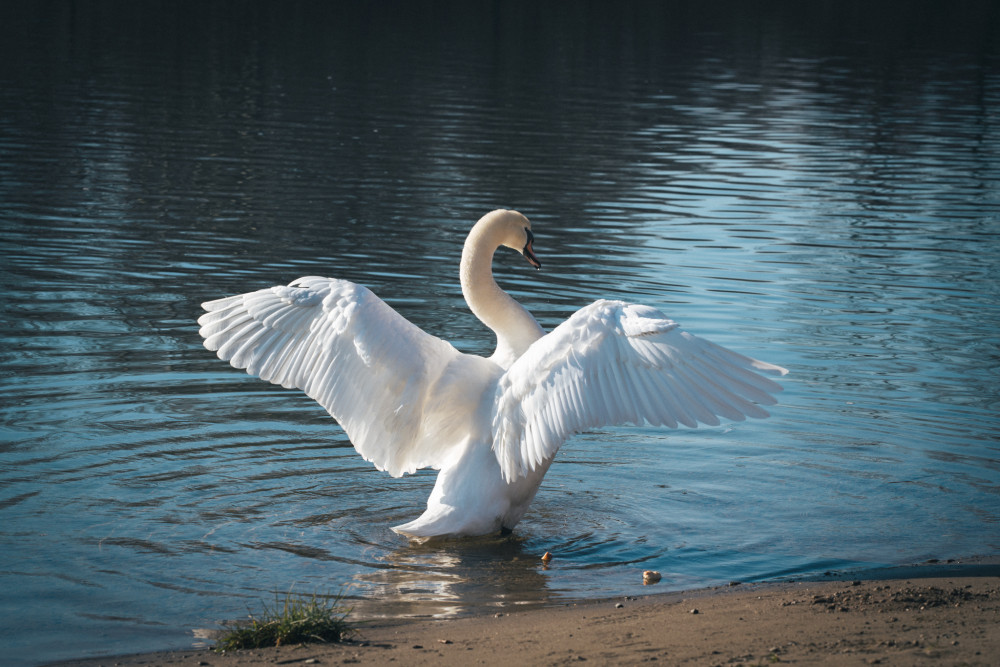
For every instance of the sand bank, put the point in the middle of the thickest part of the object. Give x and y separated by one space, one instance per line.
951 618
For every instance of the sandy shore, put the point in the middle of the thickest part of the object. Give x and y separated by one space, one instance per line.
951 618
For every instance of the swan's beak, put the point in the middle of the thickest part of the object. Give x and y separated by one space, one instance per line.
529 254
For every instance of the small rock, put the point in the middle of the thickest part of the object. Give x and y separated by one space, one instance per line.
417 646
546 557
619 605
444 641
695 611
650 577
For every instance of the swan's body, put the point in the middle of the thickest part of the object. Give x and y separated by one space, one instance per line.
409 400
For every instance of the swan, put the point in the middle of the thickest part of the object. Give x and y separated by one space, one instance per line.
491 426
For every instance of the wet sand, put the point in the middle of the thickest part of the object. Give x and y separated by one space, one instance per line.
947 616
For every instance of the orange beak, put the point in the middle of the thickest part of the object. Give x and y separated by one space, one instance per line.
529 254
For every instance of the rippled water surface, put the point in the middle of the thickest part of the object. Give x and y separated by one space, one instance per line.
818 189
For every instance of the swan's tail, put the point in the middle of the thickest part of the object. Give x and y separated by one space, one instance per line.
444 521
414 530
431 524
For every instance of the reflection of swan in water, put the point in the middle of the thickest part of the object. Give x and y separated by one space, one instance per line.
450 579
408 400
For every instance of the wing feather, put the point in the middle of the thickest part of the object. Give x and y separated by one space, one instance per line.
368 366
617 363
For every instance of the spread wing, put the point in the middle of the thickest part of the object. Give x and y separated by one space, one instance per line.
617 363
366 364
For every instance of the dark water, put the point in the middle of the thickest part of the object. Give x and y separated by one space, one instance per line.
816 187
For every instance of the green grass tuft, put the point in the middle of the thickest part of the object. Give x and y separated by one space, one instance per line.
297 620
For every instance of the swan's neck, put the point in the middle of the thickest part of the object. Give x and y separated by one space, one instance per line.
514 326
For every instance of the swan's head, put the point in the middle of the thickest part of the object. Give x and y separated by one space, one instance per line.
510 229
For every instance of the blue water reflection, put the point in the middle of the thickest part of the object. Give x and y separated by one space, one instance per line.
779 182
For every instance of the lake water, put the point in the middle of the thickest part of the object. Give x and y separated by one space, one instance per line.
818 188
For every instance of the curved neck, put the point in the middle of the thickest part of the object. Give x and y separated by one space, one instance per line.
513 325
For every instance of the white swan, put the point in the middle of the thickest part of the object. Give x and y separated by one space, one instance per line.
409 400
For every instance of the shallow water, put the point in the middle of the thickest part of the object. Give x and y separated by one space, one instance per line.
819 190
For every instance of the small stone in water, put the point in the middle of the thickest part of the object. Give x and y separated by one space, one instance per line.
651 577
547 557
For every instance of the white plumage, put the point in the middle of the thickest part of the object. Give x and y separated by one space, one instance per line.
409 400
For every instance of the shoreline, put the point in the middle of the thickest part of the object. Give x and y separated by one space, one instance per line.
901 615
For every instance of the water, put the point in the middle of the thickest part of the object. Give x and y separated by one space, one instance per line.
818 188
